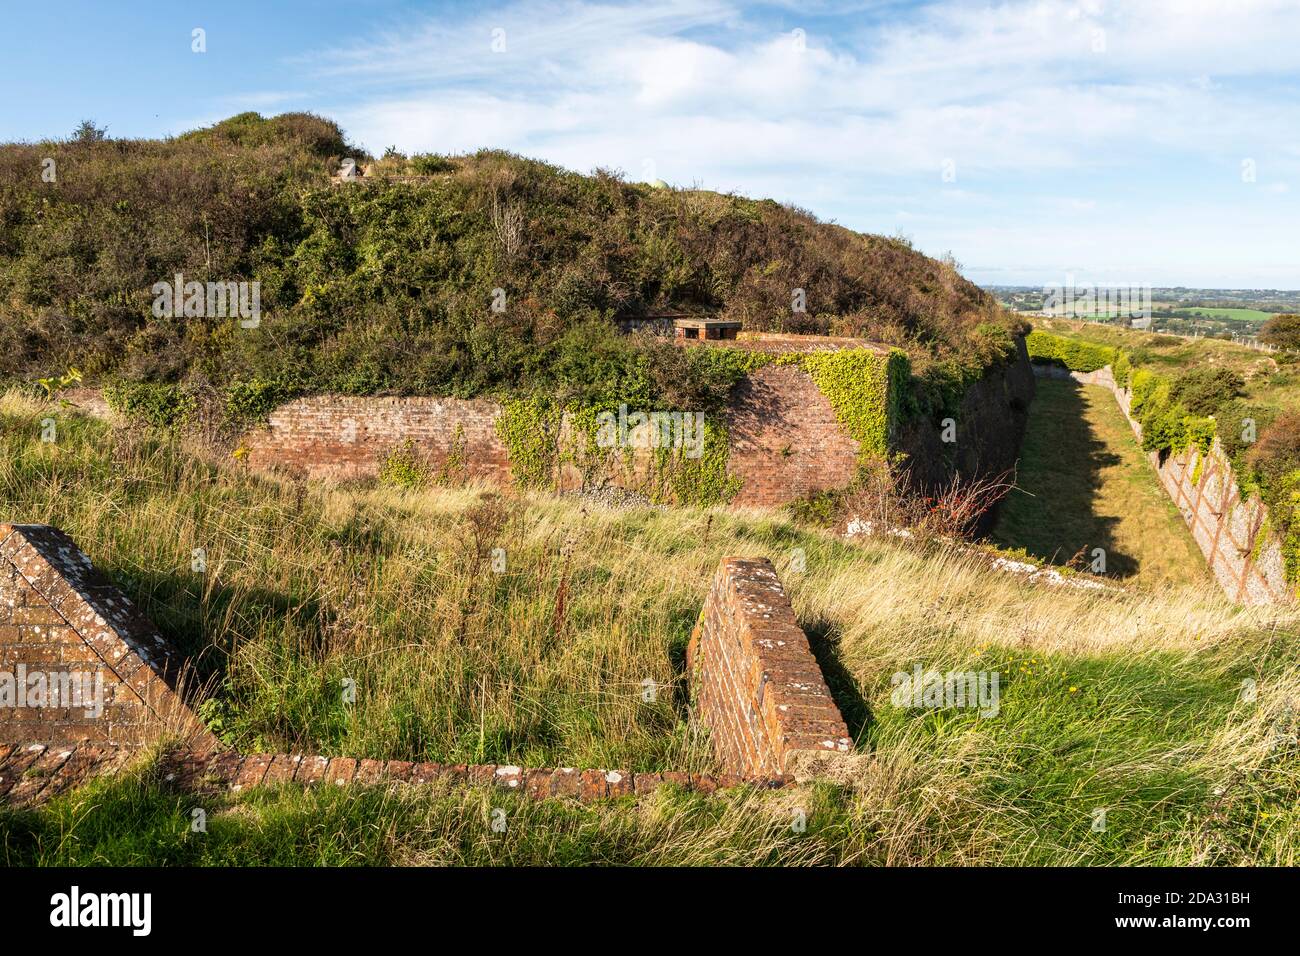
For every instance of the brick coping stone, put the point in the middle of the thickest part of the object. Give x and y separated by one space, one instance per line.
34 772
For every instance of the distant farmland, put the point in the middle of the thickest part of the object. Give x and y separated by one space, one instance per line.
1231 315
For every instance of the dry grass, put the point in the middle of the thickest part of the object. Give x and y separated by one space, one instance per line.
1129 702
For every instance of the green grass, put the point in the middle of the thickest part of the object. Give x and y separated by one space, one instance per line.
1234 315
1267 381
1129 702
1084 483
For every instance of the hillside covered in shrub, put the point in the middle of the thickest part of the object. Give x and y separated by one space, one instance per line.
387 286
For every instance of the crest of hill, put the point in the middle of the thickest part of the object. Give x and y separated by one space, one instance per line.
383 287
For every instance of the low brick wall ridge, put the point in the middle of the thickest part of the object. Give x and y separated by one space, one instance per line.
755 684
34 772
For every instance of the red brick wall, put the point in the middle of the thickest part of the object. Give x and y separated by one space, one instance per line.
754 681
343 437
59 616
785 441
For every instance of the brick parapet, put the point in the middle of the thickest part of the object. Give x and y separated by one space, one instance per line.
755 683
61 622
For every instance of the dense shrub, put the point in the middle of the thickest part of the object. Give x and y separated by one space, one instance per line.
1068 353
1205 390
1282 331
1240 424
250 402
152 403
389 287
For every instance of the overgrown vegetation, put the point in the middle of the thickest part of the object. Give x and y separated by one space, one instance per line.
389 286
1184 404
1140 712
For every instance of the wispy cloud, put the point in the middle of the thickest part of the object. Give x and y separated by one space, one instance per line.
1019 101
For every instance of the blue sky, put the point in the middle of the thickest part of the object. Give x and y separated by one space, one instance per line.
1146 141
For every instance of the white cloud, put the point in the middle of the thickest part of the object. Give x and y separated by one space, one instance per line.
1024 97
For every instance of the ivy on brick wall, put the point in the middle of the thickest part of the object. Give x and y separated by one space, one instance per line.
703 480
538 446
865 388
530 429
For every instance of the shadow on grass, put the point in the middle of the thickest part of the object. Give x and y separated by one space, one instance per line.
1051 513
824 639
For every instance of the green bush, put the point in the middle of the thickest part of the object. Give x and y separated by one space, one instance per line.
404 467
1205 390
1123 369
151 403
1198 431
1241 423
1068 353
1144 385
429 164
250 402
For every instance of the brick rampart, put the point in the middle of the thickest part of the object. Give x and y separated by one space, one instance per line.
344 437
785 440
1225 527
754 681
62 622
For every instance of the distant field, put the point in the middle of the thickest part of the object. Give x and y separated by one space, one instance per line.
1267 381
1083 483
1233 315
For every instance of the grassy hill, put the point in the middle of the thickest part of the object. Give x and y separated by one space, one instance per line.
1130 702
385 286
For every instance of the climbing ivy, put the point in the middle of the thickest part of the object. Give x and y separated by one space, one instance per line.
703 480
404 468
864 386
530 429
866 390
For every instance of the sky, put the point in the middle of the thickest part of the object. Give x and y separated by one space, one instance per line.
1149 142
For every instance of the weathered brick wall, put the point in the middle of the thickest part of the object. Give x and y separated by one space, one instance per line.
1230 531
33 773
754 681
58 619
990 429
785 440
344 437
